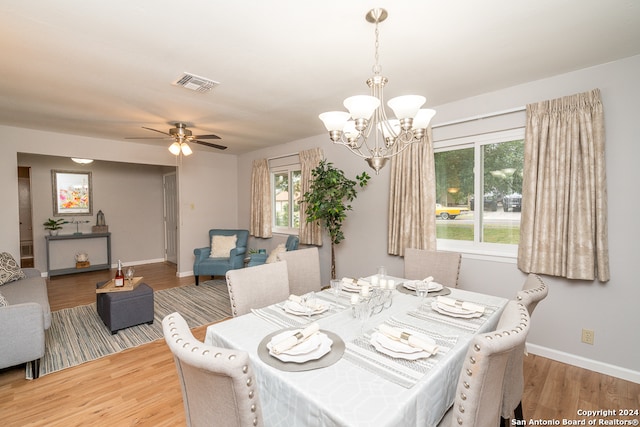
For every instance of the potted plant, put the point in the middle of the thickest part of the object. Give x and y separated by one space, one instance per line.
54 225
327 201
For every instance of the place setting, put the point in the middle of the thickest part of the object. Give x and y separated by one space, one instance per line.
400 344
304 305
457 308
301 349
423 287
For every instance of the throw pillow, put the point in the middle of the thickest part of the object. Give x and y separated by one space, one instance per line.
221 246
273 255
9 269
3 301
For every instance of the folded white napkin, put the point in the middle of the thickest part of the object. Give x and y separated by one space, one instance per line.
295 338
295 298
313 304
428 279
362 282
452 302
407 338
348 280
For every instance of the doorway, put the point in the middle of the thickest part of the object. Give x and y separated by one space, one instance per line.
26 222
170 217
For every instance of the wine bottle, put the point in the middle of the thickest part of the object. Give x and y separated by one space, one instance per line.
119 280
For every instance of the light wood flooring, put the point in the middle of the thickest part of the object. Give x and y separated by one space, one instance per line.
139 386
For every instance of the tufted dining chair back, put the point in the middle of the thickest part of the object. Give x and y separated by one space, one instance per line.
533 291
257 287
218 384
303 267
443 266
478 396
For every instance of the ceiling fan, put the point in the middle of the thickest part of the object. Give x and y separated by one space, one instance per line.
181 136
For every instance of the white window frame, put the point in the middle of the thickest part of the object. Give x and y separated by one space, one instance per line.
477 249
272 172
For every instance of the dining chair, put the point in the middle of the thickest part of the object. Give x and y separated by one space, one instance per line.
533 291
257 287
303 268
443 266
218 384
478 397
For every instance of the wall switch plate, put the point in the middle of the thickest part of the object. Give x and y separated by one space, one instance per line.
587 336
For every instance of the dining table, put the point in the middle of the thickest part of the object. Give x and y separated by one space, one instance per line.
354 384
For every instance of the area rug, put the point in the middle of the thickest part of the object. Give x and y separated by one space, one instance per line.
78 335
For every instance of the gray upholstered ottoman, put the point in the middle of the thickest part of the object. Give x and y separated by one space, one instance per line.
119 310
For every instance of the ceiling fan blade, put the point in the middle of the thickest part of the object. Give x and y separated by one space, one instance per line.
156 130
207 137
209 144
148 137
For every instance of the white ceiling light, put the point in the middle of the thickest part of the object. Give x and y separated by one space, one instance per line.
82 161
180 146
367 114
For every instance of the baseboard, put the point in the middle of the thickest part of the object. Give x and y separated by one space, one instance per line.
140 262
582 362
184 273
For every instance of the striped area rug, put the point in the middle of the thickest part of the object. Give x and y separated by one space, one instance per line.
78 335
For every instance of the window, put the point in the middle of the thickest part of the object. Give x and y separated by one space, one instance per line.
285 195
478 191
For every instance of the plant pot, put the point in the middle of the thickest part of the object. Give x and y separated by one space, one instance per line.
53 232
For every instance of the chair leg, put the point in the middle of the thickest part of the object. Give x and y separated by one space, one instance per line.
197 281
35 368
518 412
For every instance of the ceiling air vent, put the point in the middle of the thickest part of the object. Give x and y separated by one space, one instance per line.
196 83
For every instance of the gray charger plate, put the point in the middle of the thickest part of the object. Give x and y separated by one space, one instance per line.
337 350
443 291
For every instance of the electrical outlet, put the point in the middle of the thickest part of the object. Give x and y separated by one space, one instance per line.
587 336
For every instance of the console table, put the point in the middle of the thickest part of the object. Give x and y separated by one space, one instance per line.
71 270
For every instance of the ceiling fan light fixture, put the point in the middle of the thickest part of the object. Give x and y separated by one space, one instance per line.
175 148
186 150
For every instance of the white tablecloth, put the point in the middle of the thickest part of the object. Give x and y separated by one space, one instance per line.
346 393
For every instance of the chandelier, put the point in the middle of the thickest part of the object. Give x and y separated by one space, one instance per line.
367 114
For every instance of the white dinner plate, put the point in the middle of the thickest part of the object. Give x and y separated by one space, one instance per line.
297 309
454 311
350 287
433 286
398 346
398 355
323 348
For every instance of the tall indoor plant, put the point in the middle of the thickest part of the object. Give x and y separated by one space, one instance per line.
327 201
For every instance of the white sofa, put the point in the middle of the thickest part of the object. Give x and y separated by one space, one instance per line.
24 320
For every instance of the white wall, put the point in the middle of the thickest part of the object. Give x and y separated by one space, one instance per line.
208 193
610 309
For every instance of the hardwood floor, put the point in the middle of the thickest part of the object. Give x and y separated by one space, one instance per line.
139 386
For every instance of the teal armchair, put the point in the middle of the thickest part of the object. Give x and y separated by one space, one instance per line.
205 265
259 259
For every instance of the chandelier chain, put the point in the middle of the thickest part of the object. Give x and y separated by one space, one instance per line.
377 68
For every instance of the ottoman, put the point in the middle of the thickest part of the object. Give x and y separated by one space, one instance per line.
119 310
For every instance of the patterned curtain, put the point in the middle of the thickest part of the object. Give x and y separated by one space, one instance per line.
260 225
412 199
563 231
310 232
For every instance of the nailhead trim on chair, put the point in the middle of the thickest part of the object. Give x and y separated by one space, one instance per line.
476 347
245 368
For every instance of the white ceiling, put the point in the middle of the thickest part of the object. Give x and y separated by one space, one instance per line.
104 68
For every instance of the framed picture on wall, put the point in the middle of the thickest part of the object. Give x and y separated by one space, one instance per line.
72 193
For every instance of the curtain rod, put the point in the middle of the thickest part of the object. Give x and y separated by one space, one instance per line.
480 117
282 156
